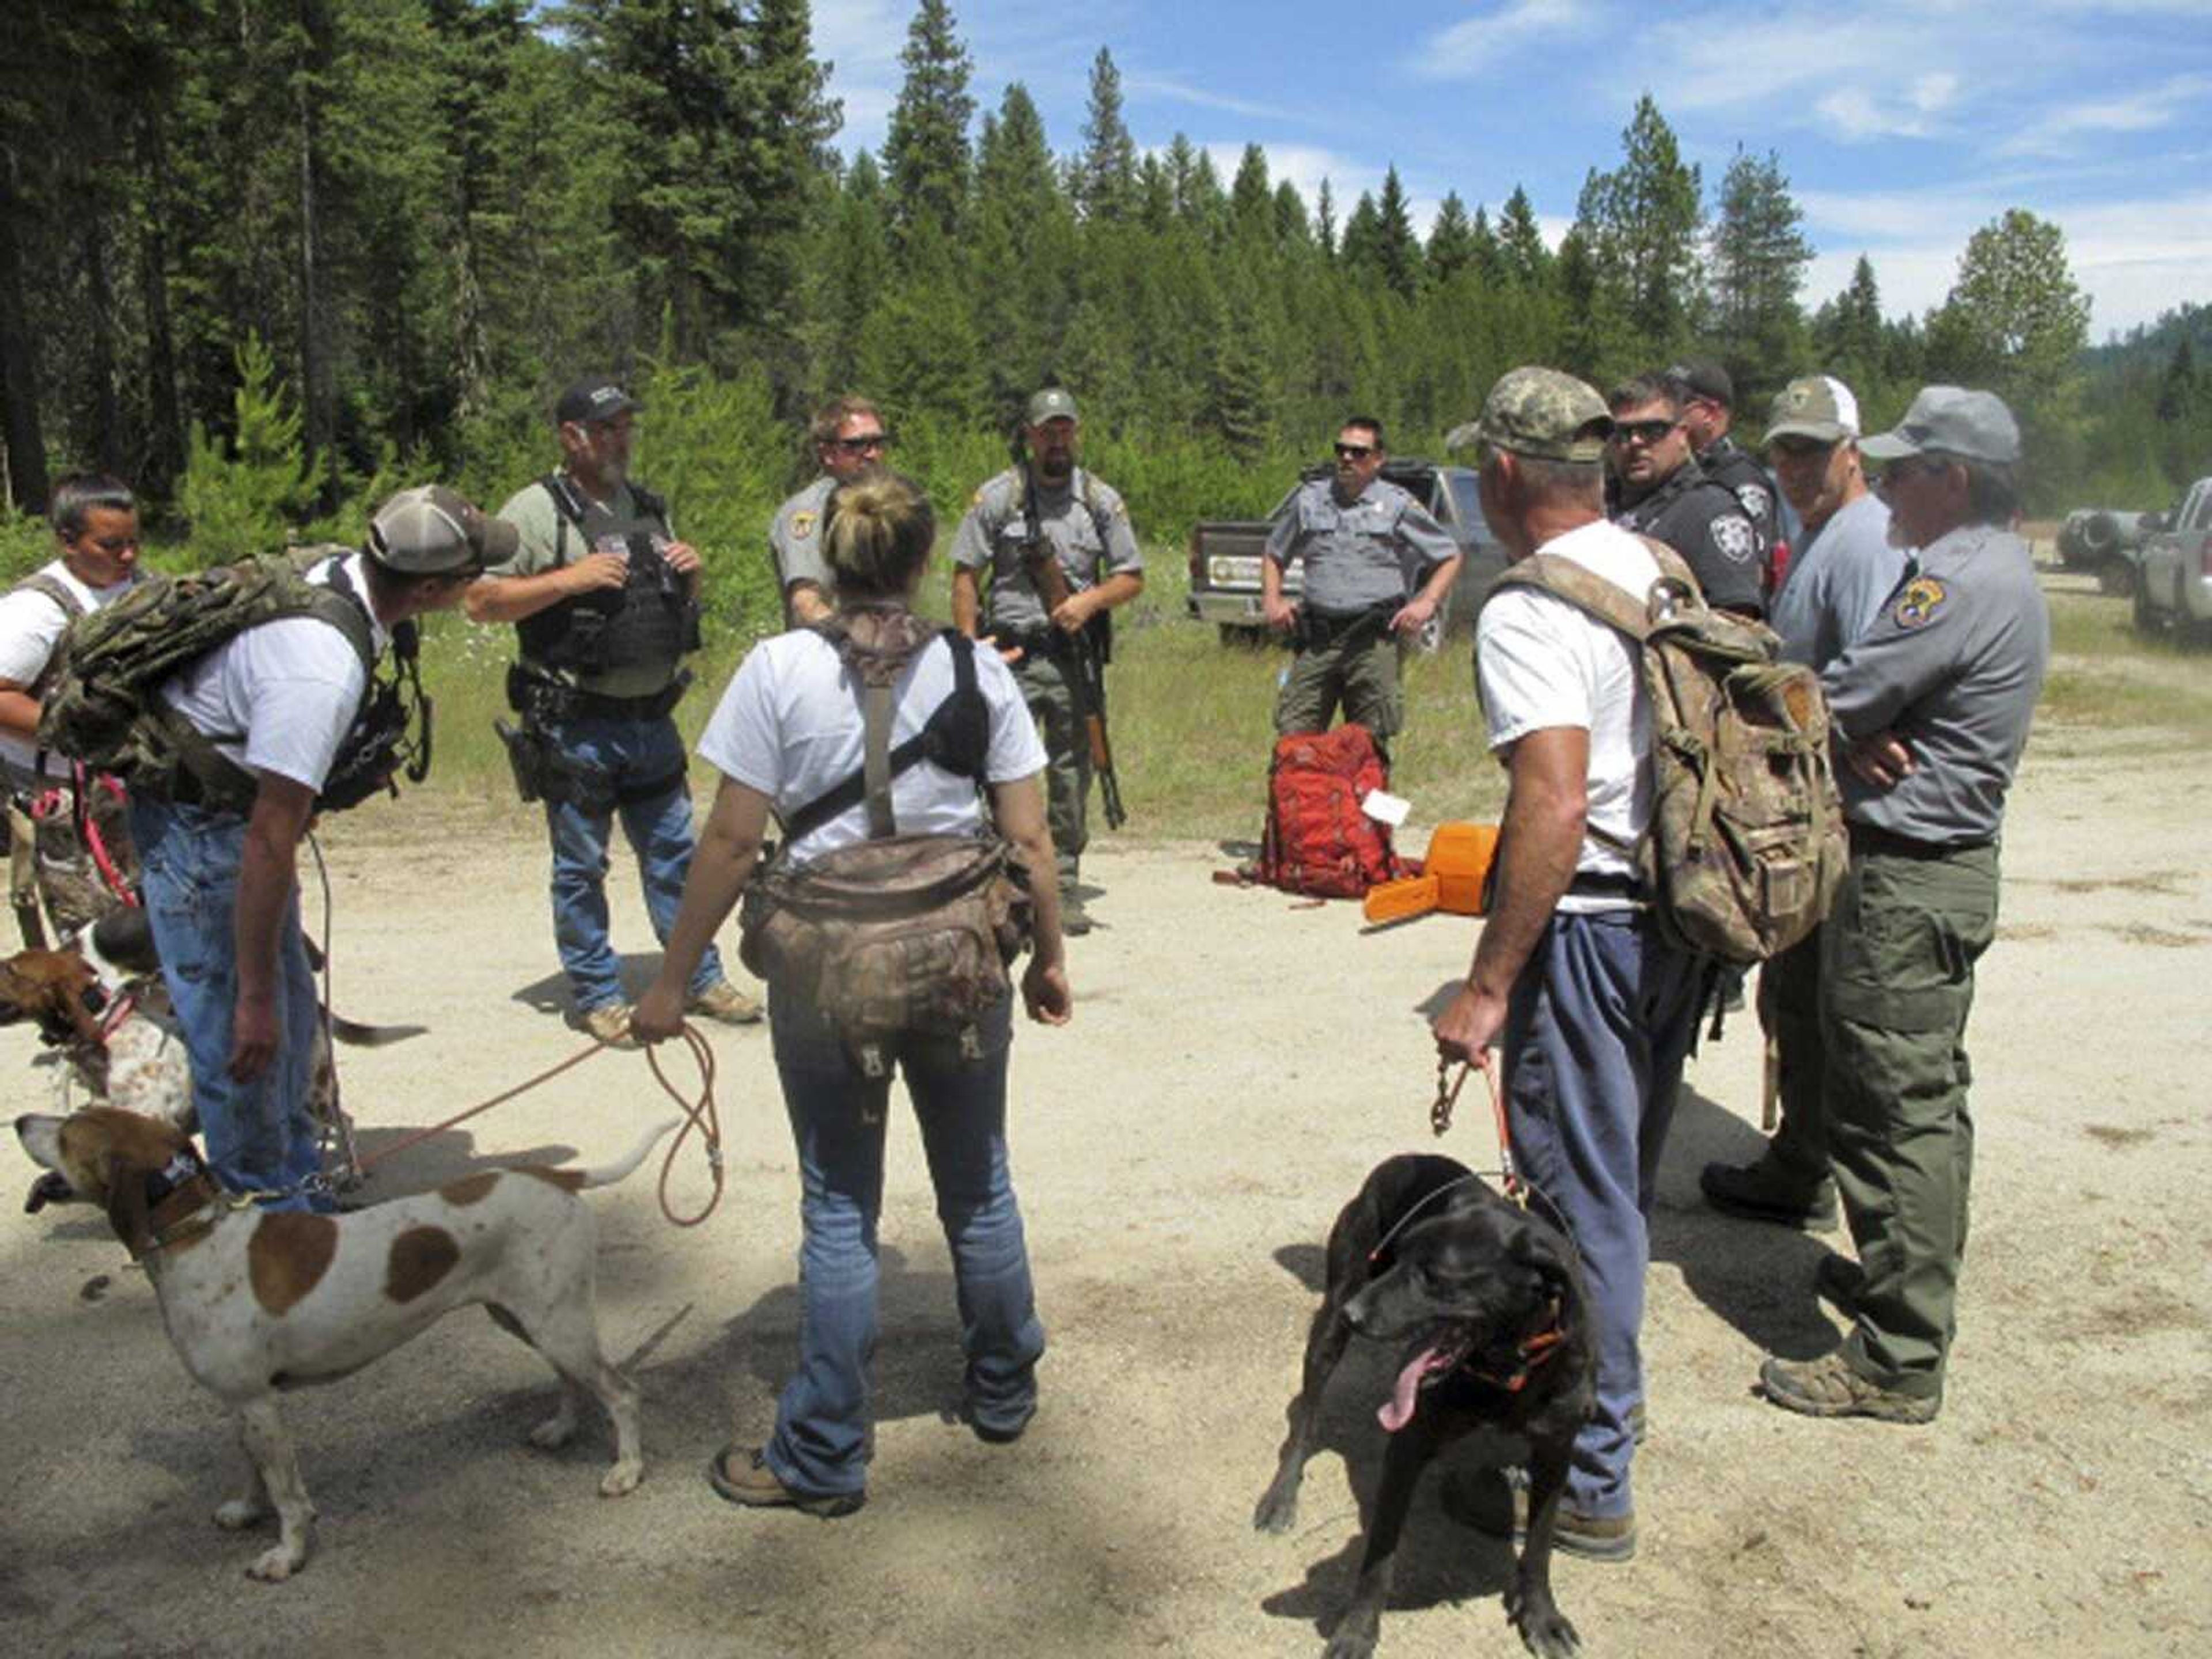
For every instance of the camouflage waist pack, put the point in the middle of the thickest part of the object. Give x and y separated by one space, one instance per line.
898 935
103 706
1745 842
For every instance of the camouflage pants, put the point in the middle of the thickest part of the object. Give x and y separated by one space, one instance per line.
50 865
1361 678
1048 688
1896 970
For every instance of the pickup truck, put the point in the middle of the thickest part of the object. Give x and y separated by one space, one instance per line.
2107 543
1225 554
2173 576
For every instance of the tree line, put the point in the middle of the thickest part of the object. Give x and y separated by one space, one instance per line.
267 256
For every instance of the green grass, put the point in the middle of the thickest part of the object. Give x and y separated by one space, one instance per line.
2103 674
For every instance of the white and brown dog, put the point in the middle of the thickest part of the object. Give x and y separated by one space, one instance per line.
257 1300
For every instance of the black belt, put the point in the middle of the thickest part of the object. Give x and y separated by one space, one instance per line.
1593 883
1035 643
1887 843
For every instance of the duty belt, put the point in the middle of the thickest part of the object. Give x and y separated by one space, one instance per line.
543 698
1329 627
1036 641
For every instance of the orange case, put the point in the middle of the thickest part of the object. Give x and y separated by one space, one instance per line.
1459 856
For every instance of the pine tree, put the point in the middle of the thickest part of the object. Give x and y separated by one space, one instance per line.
1643 222
1291 228
1759 258
1360 249
1397 252
1451 240
925 156
1528 261
1106 174
1325 222
1485 252
1251 203
2014 319
241 498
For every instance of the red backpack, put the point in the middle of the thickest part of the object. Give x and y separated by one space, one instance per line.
1318 842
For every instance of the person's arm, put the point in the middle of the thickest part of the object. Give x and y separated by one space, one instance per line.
1415 614
729 846
19 710
1547 809
511 598
809 606
1282 544
1086 603
1018 810
267 873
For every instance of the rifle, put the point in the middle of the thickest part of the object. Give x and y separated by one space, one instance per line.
1049 577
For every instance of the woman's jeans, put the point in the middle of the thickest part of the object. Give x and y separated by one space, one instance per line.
822 1441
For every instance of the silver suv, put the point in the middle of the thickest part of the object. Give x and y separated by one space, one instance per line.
2173 580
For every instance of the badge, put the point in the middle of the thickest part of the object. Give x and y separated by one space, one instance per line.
1733 537
802 526
1755 500
1923 597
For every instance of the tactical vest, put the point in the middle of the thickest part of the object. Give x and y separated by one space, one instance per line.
652 618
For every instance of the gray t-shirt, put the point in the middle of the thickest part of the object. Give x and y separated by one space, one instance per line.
1953 664
1361 553
1835 588
607 526
794 539
1085 520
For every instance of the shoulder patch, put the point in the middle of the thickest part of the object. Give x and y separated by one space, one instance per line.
1923 598
1734 537
802 525
1755 500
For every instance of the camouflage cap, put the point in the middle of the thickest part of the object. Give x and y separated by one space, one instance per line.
432 531
1540 412
1054 403
1819 406
1974 425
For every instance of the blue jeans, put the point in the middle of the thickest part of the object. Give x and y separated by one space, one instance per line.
633 753
260 1135
821 1444
1599 1024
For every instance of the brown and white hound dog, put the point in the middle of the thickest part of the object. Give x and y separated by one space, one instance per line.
256 1302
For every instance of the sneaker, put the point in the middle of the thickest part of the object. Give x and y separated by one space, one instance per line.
1588 1537
1838 1280
724 1001
743 1476
609 1023
992 1434
1828 1387
1761 1192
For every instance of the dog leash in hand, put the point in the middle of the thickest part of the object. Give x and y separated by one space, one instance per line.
1440 1120
701 1115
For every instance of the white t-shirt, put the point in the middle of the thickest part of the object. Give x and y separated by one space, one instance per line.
31 625
790 724
1545 664
281 697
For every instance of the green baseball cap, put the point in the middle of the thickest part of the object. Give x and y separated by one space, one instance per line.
1539 412
1054 403
1819 406
1952 421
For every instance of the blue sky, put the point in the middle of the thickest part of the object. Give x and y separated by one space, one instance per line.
1902 128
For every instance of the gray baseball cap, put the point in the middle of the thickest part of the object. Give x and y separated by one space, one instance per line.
1819 406
1054 403
432 531
1539 412
1952 421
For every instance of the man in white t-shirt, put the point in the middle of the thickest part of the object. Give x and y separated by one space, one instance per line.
95 521
280 705
1594 1009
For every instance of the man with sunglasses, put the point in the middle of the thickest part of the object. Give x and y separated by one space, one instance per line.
1930 706
95 523
604 599
1662 492
1834 589
850 440
1376 567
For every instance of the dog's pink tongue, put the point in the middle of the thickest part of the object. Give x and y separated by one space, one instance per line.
1398 1411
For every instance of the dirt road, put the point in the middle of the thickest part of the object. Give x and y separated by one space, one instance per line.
1236 1064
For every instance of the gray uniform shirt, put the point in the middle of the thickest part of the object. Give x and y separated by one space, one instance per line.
1084 521
1835 588
794 539
1953 664
1358 554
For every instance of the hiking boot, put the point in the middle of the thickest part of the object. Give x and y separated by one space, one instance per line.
1828 1387
992 1434
609 1023
1074 920
1588 1537
1838 1280
1762 1191
724 1001
742 1476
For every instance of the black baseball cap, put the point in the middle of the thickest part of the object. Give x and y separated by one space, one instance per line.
1701 377
597 398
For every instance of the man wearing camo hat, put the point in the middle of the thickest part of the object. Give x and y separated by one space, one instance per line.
1834 589
1930 706
1592 1006
1086 525
278 706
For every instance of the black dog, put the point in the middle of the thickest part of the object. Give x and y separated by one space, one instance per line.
1490 1302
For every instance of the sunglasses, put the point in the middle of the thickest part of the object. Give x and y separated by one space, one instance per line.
1354 452
1799 449
1642 432
861 445
1914 467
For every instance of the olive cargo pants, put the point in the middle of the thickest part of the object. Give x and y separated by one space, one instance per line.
1789 1008
1361 677
1897 972
1047 687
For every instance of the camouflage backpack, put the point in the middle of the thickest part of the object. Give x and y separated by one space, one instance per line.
1746 845
101 706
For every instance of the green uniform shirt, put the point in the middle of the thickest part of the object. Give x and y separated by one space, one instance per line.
545 546
1085 520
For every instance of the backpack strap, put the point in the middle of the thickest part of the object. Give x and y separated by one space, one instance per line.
72 608
569 509
956 737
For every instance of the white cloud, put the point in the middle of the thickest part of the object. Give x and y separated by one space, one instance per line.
2140 112
861 41
1175 91
1474 46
